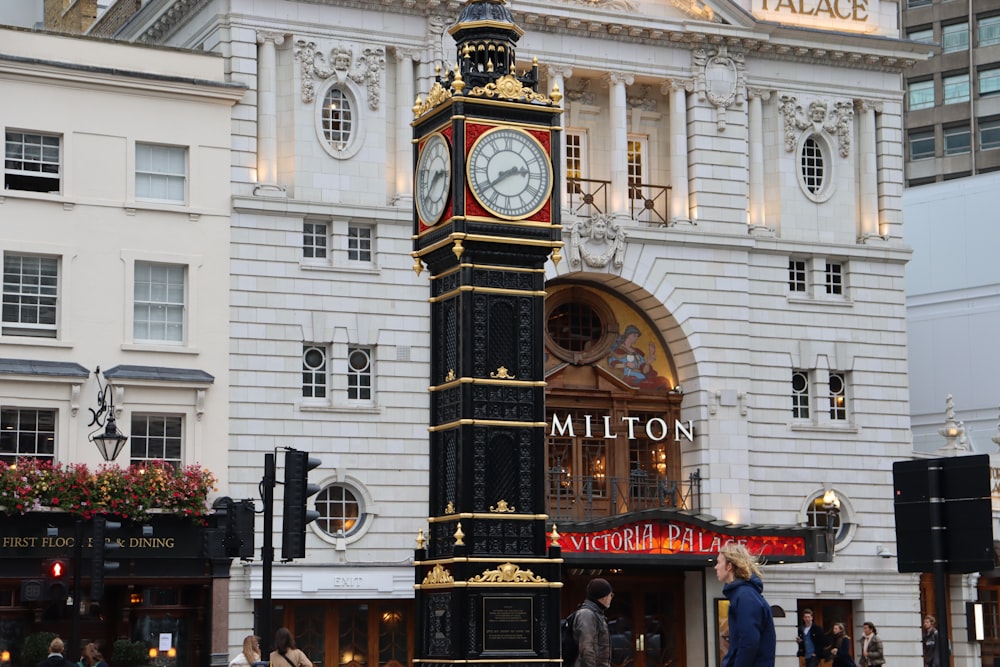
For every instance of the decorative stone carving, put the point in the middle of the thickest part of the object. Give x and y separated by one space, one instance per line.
720 78
623 5
641 101
366 70
580 92
596 242
818 117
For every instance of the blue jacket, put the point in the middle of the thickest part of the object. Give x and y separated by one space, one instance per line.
752 640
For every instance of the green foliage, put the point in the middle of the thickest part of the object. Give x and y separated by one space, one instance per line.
126 653
36 648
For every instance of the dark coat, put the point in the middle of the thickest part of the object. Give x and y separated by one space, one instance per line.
752 640
56 660
590 628
840 651
818 640
875 657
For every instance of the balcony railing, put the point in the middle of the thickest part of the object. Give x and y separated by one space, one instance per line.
587 196
649 203
580 498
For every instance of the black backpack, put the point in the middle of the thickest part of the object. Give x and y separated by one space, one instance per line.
570 650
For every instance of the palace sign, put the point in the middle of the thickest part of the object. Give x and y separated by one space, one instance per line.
845 15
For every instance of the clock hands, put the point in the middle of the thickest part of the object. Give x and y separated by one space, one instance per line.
507 173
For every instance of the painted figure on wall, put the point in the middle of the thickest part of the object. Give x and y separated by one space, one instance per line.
635 366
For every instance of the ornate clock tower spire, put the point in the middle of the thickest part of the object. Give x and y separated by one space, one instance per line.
486 147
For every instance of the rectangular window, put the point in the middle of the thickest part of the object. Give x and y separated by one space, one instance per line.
160 173
27 432
156 438
838 397
917 3
359 243
955 37
359 373
158 302
989 81
834 278
314 235
989 134
957 140
30 295
314 371
956 88
636 157
575 146
31 162
920 95
800 394
988 31
921 144
925 35
796 275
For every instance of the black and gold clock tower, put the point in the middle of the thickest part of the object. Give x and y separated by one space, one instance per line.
485 222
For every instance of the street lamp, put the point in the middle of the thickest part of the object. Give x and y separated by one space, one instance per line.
831 505
109 439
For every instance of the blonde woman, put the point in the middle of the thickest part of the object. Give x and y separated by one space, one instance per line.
250 653
752 640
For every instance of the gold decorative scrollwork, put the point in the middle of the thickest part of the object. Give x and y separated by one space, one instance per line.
449 508
502 374
450 377
509 87
502 507
508 573
438 575
436 96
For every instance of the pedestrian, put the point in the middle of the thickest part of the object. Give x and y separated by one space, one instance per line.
285 654
56 657
752 640
930 640
92 656
871 647
840 647
811 640
250 653
590 626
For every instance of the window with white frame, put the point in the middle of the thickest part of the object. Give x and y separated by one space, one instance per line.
337 118
314 239
988 30
920 94
796 275
315 359
30 295
636 153
834 278
359 243
359 373
989 81
955 37
340 511
956 88
27 432
817 516
160 173
838 396
925 35
957 140
812 165
156 437
989 134
800 394
32 162
921 144
158 303
576 151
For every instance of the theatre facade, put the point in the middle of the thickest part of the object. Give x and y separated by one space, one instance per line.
724 340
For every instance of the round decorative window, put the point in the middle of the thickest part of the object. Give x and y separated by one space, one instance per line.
578 326
337 122
340 511
815 168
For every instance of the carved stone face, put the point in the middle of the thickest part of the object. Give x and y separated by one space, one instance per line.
341 59
817 112
600 229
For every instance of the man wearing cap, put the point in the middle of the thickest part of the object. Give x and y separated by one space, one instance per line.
590 627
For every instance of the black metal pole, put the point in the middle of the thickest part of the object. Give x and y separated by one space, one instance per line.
936 511
74 634
267 555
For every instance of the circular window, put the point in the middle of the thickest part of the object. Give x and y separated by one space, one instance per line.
578 326
815 167
838 521
337 122
340 511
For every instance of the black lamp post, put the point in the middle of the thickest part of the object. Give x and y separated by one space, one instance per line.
109 439
831 505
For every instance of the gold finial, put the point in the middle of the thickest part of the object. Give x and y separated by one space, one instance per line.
418 266
556 94
458 83
502 374
450 377
466 50
458 249
421 540
418 105
556 256
449 508
489 65
459 535
534 61
437 70
555 536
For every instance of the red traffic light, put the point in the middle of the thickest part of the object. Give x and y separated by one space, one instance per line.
57 569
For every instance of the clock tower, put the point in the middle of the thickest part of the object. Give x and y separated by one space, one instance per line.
486 147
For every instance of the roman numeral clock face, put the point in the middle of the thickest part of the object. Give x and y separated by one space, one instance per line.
509 173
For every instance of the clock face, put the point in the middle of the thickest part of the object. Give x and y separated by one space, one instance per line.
432 180
509 173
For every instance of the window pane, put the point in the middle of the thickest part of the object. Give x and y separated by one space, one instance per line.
955 37
160 172
812 165
921 95
956 88
158 302
989 31
30 295
956 140
989 81
156 438
27 432
926 35
989 134
921 145
337 119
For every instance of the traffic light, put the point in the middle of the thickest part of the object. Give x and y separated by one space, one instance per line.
56 579
297 491
103 547
239 530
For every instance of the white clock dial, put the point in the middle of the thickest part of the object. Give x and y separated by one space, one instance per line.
509 173
432 180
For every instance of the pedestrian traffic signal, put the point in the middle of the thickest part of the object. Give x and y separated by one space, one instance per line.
105 544
56 580
297 491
